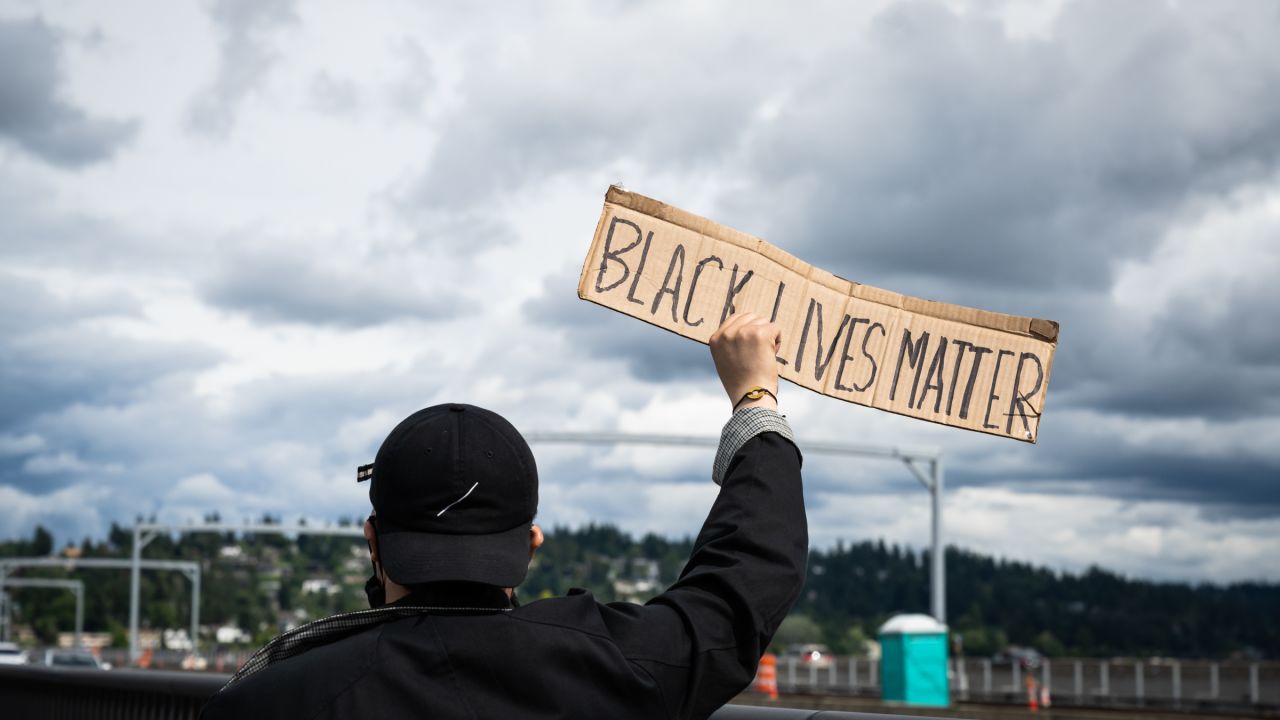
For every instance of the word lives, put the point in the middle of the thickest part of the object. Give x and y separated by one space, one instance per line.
943 363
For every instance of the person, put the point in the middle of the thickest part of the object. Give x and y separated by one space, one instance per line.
454 494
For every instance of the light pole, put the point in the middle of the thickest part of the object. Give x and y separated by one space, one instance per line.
925 464
144 533
75 586
190 569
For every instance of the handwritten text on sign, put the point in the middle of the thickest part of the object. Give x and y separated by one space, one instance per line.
944 363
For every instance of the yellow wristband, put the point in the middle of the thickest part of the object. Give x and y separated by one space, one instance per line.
755 393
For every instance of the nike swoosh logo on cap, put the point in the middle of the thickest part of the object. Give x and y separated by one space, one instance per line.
455 502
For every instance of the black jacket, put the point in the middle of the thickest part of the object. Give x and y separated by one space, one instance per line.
681 655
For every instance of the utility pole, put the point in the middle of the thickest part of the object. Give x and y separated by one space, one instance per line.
933 482
144 533
925 464
189 569
75 586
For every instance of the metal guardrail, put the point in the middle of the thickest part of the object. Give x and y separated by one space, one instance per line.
1250 688
74 694
750 712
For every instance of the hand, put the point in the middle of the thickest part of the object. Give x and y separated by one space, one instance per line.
744 350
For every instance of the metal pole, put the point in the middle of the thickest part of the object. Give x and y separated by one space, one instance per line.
933 482
135 585
986 677
853 673
195 609
79 591
4 605
939 579
1177 684
831 677
190 569
1104 678
1253 683
75 586
1213 681
1044 675
1079 678
1137 681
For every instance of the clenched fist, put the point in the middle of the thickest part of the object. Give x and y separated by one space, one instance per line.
744 349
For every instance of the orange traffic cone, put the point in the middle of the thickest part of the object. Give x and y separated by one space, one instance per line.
1030 682
767 676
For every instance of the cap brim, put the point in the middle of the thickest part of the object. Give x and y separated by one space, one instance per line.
412 557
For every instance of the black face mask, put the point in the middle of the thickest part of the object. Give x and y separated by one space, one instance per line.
375 589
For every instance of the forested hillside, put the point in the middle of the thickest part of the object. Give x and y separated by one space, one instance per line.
263 582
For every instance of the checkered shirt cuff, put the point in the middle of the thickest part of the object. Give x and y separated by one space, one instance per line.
744 425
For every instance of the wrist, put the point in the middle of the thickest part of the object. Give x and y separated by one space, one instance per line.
755 396
764 402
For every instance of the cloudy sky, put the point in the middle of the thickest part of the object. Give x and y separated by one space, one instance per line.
240 239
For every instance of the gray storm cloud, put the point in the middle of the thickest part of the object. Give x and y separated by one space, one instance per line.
244 59
939 155
33 113
1114 170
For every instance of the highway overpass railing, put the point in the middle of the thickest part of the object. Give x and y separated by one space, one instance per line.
39 692
71 693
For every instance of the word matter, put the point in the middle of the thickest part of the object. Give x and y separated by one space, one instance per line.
947 364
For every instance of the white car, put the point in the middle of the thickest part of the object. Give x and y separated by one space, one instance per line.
73 659
11 654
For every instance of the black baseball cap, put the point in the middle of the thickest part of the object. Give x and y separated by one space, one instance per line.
455 489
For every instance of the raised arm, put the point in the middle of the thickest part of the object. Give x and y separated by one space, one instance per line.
702 639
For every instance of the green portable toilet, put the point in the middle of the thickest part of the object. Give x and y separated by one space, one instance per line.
913 661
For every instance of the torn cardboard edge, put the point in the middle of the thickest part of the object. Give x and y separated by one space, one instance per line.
1046 330
684 264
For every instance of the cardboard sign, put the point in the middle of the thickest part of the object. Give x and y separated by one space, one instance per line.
943 363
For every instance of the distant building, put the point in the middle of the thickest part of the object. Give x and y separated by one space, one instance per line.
635 590
230 635
319 586
176 639
148 639
641 583
90 640
358 562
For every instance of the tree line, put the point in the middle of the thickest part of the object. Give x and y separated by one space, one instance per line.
255 582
